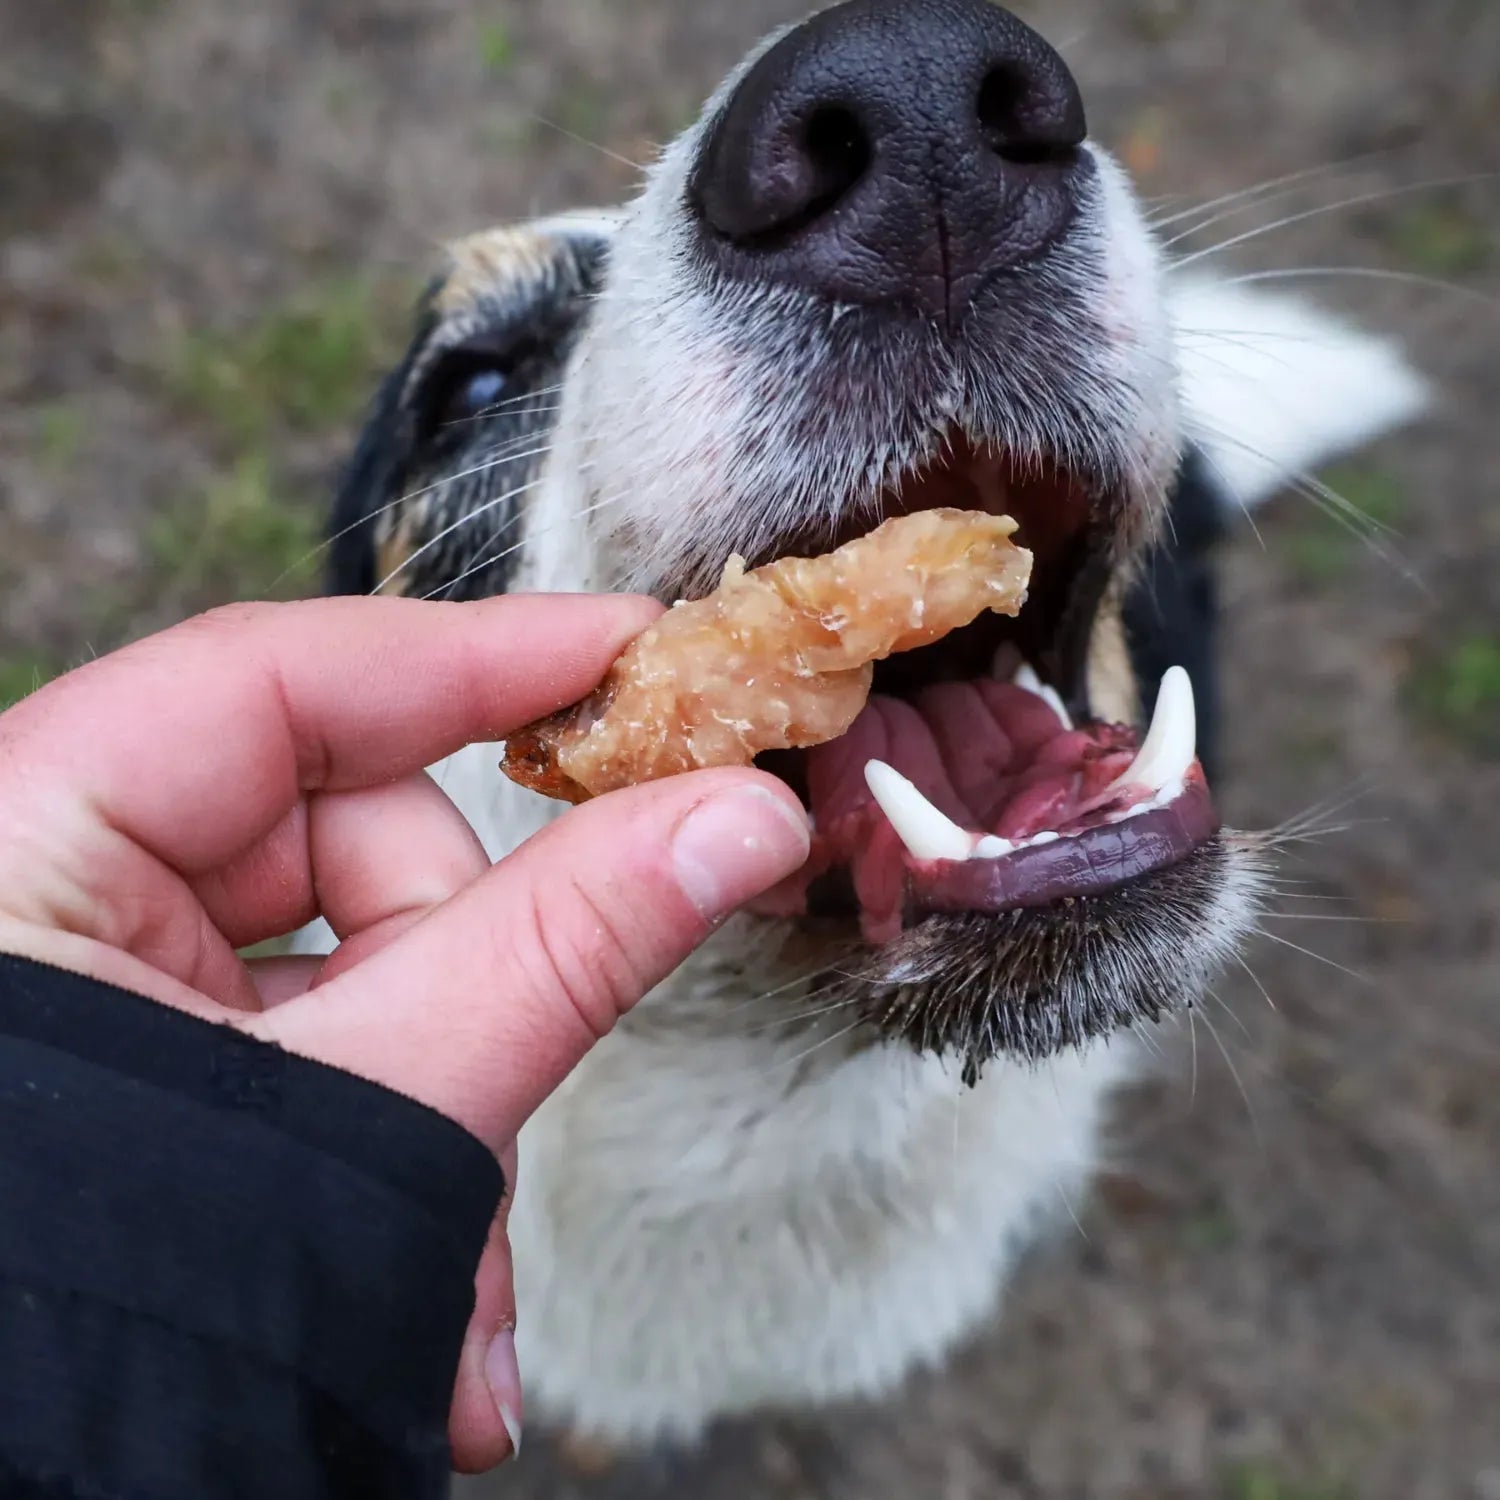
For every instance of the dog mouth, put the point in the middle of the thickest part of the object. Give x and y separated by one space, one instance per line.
977 780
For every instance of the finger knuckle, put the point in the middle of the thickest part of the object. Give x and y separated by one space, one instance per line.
586 950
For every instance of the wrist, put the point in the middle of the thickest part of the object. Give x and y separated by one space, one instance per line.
91 959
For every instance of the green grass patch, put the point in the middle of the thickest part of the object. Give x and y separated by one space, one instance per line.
111 261
1211 1230
1456 691
1257 1481
497 50
20 676
1312 748
340 98
1159 20
1321 546
242 536
581 110
272 393
308 366
1442 239
61 430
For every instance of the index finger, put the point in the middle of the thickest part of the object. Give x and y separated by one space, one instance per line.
195 742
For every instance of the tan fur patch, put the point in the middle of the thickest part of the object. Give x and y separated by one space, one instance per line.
398 541
1112 686
481 262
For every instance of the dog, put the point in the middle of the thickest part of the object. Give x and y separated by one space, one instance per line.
886 268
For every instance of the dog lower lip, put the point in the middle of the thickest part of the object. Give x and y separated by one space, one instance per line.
1085 864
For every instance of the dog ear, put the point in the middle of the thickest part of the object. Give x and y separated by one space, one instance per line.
1172 612
372 477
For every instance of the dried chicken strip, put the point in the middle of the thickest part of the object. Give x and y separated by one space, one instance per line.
779 658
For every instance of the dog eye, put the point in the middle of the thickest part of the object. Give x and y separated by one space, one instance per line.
480 379
472 395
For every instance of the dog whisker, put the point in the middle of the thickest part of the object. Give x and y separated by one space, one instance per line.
1274 185
468 518
1356 201
1310 953
1369 273
1254 978
492 559
583 140
1234 1073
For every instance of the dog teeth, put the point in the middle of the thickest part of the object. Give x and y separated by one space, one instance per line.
1026 678
991 846
926 832
1160 766
1172 741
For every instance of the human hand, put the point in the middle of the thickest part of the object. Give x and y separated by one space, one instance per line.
228 780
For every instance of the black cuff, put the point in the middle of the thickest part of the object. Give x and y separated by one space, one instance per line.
285 1251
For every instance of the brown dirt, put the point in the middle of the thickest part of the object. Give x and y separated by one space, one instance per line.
1289 1283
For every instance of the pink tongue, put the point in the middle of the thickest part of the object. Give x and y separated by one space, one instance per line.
993 757
984 752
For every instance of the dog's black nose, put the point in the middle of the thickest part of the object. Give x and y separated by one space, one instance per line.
895 150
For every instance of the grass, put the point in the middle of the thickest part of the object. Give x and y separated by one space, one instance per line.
242 536
1159 20
1210 1230
497 51
1441 239
580 110
1312 747
61 431
22 675
1257 1481
303 372
1456 691
307 366
111 261
1320 548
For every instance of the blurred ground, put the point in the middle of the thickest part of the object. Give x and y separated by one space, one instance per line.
212 216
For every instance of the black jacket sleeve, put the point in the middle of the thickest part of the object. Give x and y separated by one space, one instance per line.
224 1271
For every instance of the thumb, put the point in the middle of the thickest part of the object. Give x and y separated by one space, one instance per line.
485 1005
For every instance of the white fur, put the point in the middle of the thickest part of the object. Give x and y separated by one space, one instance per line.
1273 387
764 1224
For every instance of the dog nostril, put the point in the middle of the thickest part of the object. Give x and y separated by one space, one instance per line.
761 184
839 149
1013 126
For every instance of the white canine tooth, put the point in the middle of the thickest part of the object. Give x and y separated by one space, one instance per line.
1172 741
926 832
993 847
1044 838
1026 678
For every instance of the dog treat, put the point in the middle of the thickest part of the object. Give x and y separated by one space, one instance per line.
775 659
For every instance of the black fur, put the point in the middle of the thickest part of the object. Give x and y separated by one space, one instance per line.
1172 613
374 474
451 488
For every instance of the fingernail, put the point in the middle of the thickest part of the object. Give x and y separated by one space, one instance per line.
736 845
503 1376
